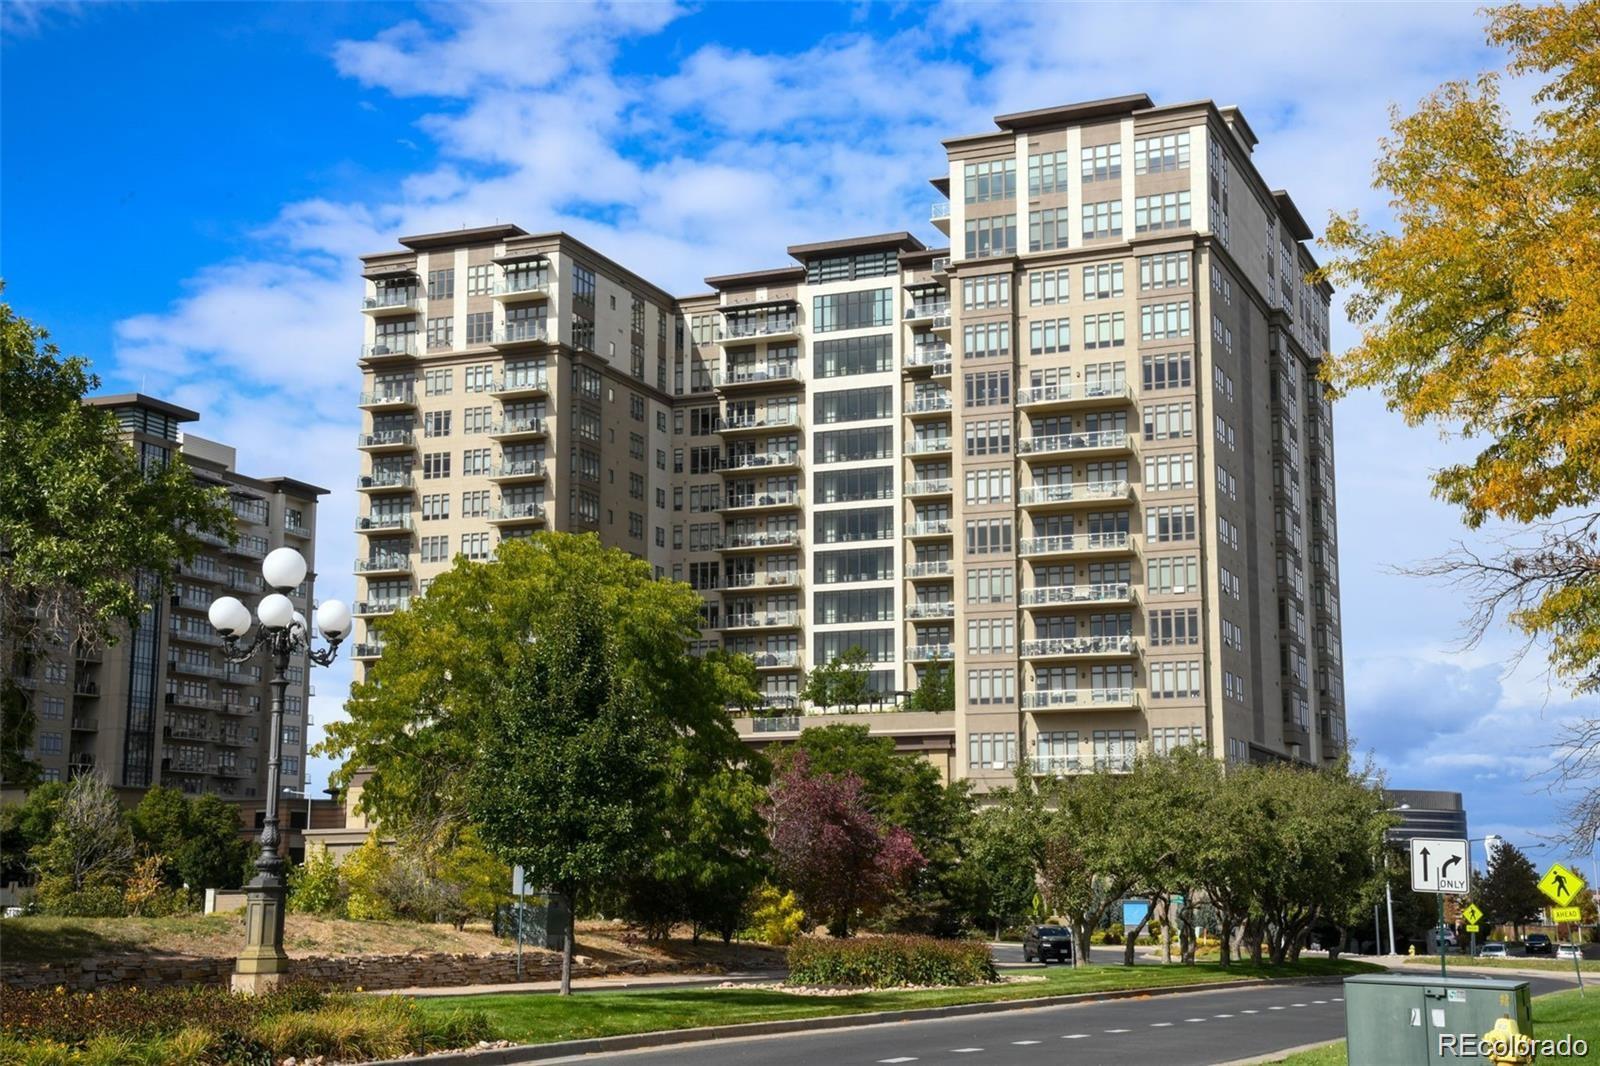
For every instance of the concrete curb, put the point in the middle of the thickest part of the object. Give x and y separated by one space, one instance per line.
669 1037
1279 1056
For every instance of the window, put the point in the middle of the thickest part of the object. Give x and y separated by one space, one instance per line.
1175 680
846 486
989 437
1169 524
851 310
1102 281
1047 172
991 636
435 549
1169 271
981 293
837 527
1168 473
1169 370
442 284
438 382
992 485
480 327
1102 162
441 332
854 355
996 235
474 504
991 751
583 282
1172 575
851 267
850 445
479 378
855 405
435 465
1155 155
984 339
991 180
1169 421
991 584
636 407
436 424
475 462
990 685
582 332
988 536
1048 287
435 506
479 420
987 388
475 546
1173 626
1047 228
854 564
1108 330
855 605
480 279
1050 335
1102 219
1163 321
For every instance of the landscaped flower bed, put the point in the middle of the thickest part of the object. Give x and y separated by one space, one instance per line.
215 1027
890 962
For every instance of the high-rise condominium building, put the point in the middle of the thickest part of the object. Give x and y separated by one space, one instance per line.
160 706
1080 458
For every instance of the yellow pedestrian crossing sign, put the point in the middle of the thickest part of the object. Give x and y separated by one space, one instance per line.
1561 884
1472 912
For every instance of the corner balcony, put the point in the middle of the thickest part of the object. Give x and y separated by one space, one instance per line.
1077 595
928 446
940 264
755 423
777 660
1067 765
195 668
391 348
784 460
1080 699
178 698
517 429
1080 647
930 527
524 286
930 569
931 609
517 334
764 501
929 404
1070 394
387 440
734 332
366 651
762 540
509 386
383 565
383 523
935 486
939 216
926 653
936 316
519 470
517 514
937 360
193 636
388 400
376 608
1100 442
737 582
386 481
763 620
399 302
1044 497
756 376
1075 544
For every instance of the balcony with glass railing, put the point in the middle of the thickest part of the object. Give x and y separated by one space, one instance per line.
379 523
768 460
518 470
929 527
367 650
762 620
773 328
1073 595
384 564
931 568
1085 699
939 216
928 403
1066 765
380 399
195 668
739 540
509 513
745 423
520 383
514 333
519 285
386 481
1075 544
1068 394
931 609
927 445
399 347
753 374
384 440
514 428
935 357
1104 440
940 264
755 501
777 660
373 608
930 652
392 301
934 313
933 486
1069 647
1074 492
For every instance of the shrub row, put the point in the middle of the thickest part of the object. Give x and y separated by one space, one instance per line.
888 961
216 1027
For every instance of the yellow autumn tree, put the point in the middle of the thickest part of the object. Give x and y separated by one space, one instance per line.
1479 311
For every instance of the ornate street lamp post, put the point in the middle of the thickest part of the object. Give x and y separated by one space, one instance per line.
283 632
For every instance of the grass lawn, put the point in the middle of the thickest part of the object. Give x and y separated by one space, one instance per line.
1519 963
1554 1016
540 1018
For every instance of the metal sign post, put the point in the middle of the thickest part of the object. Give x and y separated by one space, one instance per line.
517 889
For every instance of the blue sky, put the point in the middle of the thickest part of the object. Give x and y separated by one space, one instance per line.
185 187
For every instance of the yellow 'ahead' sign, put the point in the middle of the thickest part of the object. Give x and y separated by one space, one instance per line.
1561 884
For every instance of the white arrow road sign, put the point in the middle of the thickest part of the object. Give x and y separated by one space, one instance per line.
1440 866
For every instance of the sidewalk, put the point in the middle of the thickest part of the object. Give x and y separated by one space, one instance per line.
594 984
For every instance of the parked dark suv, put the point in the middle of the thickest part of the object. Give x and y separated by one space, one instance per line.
1047 943
1537 944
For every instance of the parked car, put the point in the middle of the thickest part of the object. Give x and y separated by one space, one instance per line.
1568 952
1495 950
1537 944
1046 943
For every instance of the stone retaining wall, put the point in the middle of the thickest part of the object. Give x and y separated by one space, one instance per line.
370 972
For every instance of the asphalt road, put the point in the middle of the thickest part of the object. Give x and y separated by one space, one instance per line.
1190 1029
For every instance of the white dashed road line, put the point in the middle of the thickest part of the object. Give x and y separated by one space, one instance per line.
902 1058
1249 1012
1338 999
1277 1008
1297 1004
1222 1016
964 1050
1159 1025
1076 1036
1022 1043
1319 1002
1116 1030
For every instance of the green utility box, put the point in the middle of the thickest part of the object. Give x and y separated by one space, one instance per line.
1415 1020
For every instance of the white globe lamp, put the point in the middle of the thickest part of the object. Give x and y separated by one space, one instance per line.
284 568
333 619
229 617
275 611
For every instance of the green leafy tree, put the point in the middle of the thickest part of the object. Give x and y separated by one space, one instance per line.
936 691
775 916
368 874
995 880
1508 891
735 676
26 825
315 886
199 839
80 521
1084 873
87 860
840 682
